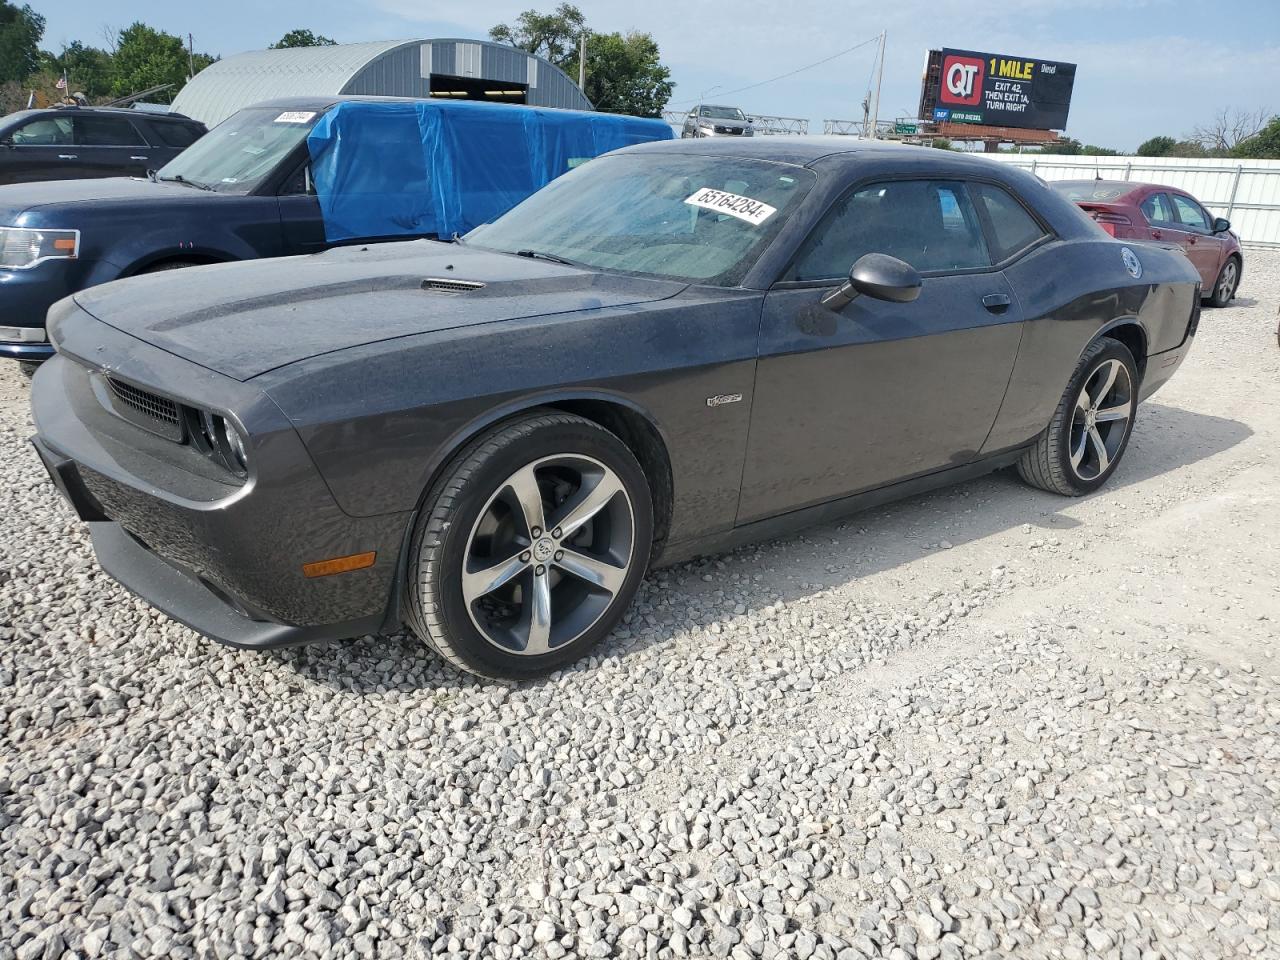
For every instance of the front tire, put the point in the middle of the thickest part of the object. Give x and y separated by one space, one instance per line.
530 547
1090 429
1224 288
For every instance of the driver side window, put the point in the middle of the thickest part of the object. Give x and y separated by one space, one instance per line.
44 132
1190 213
930 224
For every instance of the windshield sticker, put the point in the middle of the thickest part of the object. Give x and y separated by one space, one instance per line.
295 117
744 208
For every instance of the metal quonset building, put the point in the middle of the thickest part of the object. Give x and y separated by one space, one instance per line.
461 69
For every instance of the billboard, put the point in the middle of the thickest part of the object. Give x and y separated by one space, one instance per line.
995 89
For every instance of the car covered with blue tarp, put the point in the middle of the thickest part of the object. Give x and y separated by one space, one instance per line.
431 167
290 176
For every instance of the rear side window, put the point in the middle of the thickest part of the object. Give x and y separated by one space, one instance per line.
1012 229
47 131
931 224
175 134
107 132
1156 209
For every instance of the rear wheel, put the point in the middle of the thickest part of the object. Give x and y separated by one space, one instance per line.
28 369
1225 286
1090 429
531 547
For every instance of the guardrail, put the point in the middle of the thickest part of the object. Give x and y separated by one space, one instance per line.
1246 192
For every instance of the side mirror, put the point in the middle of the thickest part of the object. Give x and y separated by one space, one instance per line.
1221 225
879 276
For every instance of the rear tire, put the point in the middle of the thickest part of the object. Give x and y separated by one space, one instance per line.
28 369
530 547
1224 288
1090 429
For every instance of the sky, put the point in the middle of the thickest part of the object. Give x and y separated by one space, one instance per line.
1145 67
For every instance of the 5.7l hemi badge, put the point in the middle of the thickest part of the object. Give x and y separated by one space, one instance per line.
755 212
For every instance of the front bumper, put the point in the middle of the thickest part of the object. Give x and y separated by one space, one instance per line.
224 558
27 295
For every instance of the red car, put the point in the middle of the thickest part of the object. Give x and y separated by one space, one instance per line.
1148 211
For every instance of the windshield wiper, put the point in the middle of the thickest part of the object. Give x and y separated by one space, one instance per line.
179 178
541 255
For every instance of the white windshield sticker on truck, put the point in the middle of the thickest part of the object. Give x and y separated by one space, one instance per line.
744 208
295 117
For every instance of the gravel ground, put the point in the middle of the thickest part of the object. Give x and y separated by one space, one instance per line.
987 722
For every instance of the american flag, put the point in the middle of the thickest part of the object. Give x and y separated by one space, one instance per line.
62 82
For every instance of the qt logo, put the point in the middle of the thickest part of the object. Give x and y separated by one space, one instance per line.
962 80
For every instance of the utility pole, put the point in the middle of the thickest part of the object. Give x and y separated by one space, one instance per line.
191 57
582 62
875 116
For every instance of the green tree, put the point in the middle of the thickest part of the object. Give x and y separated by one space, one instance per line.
20 31
1157 147
302 38
941 143
553 36
88 69
625 75
146 57
624 71
1263 145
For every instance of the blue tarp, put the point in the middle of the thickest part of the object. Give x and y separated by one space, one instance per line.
442 167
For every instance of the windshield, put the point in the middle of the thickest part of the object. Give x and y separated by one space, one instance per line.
723 113
1102 191
693 218
242 151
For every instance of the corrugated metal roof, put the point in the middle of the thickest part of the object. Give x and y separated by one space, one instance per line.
224 87
398 68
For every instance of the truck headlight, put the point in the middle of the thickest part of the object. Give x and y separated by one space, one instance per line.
21 248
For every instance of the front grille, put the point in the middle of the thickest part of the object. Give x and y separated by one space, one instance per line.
146 409
729 130
451 286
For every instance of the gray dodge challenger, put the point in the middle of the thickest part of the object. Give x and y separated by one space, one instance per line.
674 348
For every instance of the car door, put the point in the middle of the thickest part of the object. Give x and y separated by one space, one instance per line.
43 149
301 223
850 400
111 146
1203 248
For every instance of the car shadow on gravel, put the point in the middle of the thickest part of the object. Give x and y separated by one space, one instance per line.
1165 439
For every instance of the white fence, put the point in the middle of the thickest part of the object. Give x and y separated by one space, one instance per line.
1246 192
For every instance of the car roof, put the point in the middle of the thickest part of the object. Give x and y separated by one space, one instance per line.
803 151
66 109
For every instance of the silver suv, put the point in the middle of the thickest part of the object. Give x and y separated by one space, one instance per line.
708 120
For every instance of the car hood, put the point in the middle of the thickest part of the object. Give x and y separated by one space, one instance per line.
15 198
244 319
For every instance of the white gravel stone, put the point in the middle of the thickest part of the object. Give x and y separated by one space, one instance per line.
837 745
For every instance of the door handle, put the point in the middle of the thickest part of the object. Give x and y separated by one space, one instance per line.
137 158
66 156
996 302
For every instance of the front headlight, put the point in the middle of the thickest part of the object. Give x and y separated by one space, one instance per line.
218 439
21 248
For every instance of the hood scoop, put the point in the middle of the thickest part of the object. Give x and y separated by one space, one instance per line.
440 285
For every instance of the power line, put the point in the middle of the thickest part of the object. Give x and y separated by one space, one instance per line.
810 66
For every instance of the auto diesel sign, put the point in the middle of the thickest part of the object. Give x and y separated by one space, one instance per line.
997 90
